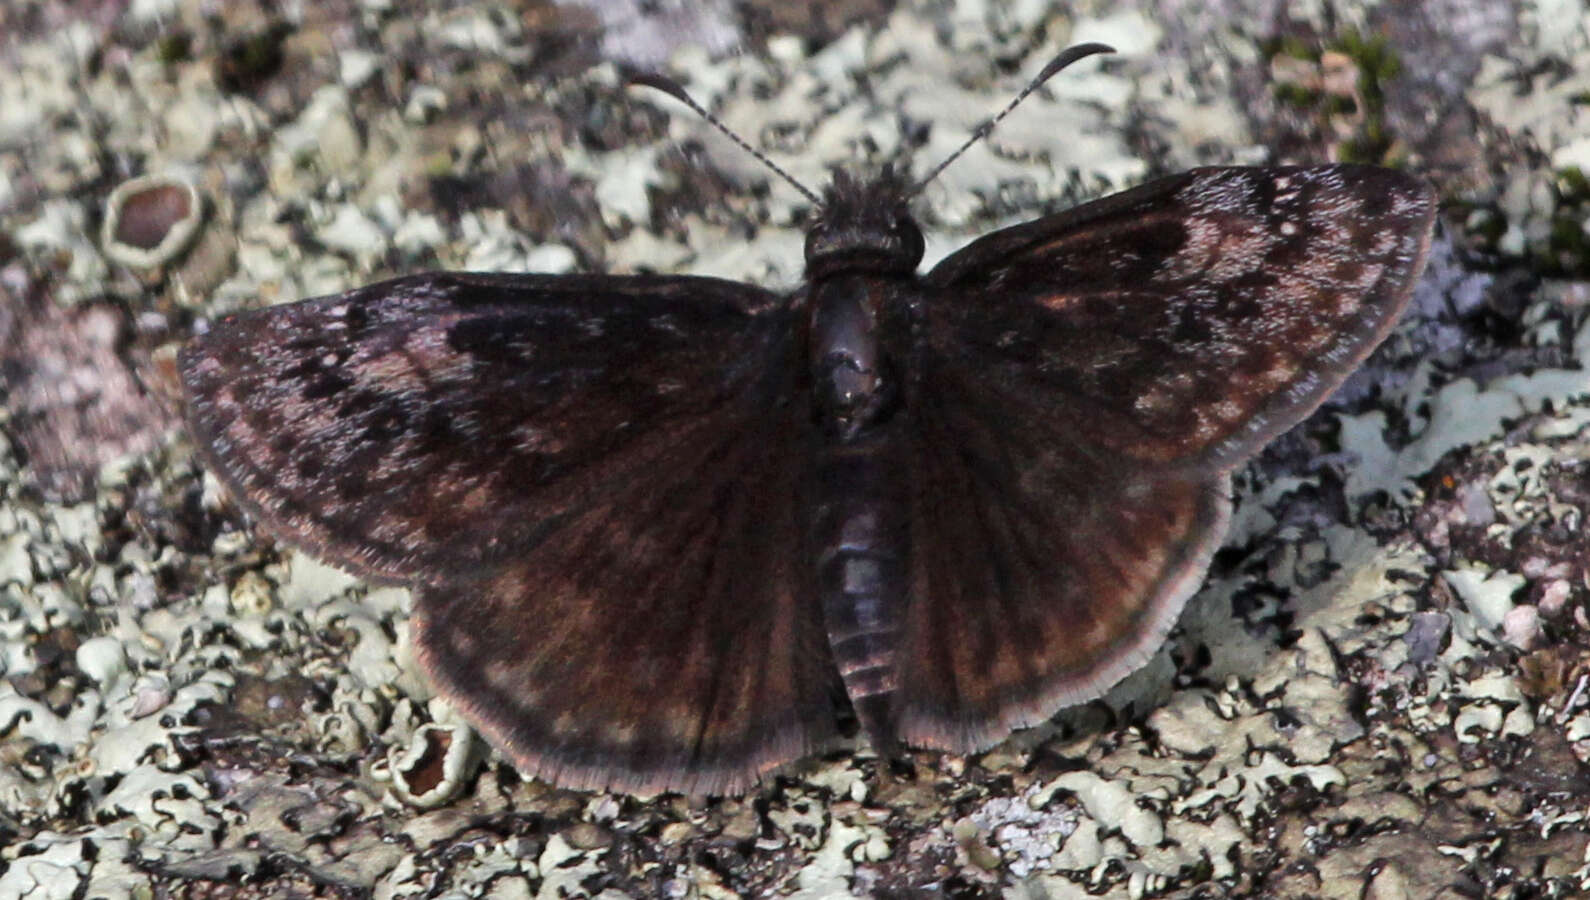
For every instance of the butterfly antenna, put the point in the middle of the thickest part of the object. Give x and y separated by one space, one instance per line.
671 88
1066 58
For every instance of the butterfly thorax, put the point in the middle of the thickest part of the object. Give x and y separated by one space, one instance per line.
861 255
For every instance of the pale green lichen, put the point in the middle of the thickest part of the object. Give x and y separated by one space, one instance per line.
1282 733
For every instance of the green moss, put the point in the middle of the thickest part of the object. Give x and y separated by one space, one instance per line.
438 165
1569 244
1573 185
1289 45
1490 228
1370 145
174 47
1293 94
1337 105
1378 64
1568 247
249 59
258 53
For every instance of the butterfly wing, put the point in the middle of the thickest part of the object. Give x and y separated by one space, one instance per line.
665 637
568 470
1192 319
1086 382
445 422
1041 573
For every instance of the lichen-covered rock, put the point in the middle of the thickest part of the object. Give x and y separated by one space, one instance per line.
150 219
1380 691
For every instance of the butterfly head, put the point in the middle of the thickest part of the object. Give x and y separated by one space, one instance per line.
864 225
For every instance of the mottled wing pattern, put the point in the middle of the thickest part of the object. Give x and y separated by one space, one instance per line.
442 423
591 483
1086 382
1194 318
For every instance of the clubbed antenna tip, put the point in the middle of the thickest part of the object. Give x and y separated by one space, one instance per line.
670 87
1065 58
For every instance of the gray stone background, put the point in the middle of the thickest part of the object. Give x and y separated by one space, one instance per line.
1380 692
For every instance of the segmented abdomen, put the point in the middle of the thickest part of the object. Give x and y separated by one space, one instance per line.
860 534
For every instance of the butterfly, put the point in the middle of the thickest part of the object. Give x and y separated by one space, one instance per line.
662 530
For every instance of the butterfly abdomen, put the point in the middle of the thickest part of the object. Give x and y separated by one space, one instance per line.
862 565
860 533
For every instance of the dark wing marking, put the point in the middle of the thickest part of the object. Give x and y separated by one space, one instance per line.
1194 318
439 424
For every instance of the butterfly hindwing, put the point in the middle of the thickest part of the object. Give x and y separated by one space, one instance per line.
1042 573
1191 319
665 638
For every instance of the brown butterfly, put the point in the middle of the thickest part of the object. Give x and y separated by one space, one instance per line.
656 526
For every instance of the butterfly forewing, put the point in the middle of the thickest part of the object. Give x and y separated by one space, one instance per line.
1192 319
440 424
590 481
